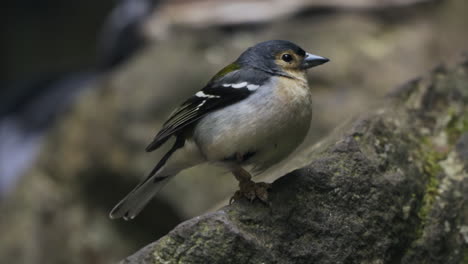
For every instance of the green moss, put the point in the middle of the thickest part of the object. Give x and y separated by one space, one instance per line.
431 164
165 249
357 137
430 157
431 168
429 197
457 125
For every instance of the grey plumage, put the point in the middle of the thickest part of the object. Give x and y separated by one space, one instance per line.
272 130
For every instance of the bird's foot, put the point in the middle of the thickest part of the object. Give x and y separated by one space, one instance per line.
252 190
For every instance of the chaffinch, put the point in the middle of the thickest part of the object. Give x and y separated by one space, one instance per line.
251 115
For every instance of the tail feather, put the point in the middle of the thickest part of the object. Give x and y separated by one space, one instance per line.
138 198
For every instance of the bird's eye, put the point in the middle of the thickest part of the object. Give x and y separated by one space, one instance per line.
287 57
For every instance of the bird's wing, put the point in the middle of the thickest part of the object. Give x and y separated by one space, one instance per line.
223 90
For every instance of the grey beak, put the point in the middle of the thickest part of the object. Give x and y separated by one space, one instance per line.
312 60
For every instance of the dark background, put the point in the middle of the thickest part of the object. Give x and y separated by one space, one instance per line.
49 36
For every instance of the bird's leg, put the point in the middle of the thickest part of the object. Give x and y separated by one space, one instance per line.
246 185
248 188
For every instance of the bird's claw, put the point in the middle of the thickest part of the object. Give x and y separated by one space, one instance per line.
252 190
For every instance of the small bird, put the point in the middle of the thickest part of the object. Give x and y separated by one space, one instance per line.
251 115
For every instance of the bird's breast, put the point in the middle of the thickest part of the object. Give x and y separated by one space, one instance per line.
271 123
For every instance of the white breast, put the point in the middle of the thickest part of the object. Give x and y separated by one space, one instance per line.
272 122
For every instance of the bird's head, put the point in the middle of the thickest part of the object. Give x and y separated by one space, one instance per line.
279 57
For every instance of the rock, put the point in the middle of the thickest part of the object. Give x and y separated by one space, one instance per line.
391 188
192 13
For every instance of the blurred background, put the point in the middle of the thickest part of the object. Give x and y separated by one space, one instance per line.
85 85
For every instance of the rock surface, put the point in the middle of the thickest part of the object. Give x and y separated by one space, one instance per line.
391 188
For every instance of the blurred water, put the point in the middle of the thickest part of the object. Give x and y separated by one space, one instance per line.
18 148
23 124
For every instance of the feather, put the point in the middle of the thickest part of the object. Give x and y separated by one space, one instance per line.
226 89
140 196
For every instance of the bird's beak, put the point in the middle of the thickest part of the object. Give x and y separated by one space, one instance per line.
312 60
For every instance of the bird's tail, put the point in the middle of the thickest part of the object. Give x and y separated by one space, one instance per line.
138 198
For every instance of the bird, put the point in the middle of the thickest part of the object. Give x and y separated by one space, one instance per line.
251 115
